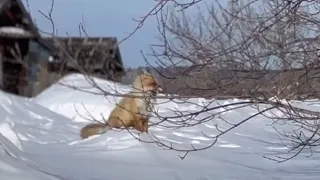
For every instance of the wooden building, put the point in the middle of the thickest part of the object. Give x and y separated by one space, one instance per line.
96 56
44 60
21 48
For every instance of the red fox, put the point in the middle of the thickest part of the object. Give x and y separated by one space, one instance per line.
130 111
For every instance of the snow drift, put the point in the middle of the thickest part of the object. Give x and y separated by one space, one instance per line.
39 139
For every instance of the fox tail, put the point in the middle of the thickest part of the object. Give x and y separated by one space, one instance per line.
93 129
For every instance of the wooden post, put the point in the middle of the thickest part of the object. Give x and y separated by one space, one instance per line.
33 71
1 67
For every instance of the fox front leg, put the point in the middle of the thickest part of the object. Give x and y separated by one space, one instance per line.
138 125
145 126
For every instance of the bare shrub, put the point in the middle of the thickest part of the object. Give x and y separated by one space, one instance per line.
258 50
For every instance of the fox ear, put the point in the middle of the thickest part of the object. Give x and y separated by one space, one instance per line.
144 71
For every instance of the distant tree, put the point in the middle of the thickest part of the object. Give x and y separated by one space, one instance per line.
238 46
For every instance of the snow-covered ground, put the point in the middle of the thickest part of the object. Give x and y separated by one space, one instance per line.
39 140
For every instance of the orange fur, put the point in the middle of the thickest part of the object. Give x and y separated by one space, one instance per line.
130 111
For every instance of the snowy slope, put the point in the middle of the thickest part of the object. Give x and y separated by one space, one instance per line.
40 140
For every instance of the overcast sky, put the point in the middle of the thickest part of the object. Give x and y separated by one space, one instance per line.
102 18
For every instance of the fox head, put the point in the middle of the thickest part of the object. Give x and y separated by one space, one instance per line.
145 82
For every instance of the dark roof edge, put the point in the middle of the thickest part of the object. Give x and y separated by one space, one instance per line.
31 24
